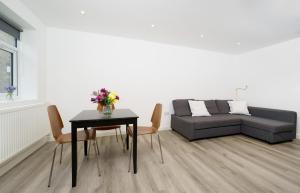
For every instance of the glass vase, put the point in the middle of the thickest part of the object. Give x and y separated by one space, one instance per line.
107 110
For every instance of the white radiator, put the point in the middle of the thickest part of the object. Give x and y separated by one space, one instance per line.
20 127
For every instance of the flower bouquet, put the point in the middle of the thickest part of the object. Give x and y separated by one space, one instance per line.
106 99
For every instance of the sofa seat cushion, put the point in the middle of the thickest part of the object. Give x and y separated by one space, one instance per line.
213 121
273 126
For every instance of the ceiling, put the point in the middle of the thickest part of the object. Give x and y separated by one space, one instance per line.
216 25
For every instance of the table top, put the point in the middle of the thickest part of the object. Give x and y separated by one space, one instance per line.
94 115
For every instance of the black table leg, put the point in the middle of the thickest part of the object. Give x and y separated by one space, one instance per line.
74 155
85 144
135 147
127 138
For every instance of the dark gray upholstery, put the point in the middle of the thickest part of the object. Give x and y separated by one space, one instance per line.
270 125
183 127
268 136
212 121
275 114
182 107
211 107
267 124
223 106
216 132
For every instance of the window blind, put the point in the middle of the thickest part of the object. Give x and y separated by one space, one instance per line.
10 29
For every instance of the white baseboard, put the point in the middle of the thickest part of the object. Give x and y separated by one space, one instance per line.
298 136
16 159
165 128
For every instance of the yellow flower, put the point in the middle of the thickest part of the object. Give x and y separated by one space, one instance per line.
112 96
114 93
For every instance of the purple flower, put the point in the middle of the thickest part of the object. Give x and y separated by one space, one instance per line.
104 92
10 89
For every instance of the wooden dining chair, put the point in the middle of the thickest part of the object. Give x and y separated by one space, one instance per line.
111 127
61 139
145 130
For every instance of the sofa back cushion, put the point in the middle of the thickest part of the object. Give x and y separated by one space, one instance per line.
223 106
182 107
212 107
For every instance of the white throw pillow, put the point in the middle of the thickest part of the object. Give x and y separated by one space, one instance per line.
238 107
198 108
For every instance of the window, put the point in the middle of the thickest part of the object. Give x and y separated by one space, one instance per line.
8 56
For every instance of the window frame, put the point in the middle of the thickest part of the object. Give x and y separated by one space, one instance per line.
14 51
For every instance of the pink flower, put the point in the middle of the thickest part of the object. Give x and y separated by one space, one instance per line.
99 98
104 92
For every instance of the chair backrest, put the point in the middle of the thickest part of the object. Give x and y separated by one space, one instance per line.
100 107
156 116
55 121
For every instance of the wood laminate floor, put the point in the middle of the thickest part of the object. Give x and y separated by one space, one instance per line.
233 164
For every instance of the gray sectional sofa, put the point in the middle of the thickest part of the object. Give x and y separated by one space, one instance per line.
270 125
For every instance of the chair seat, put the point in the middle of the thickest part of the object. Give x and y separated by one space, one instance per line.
81 136
141 130
103 128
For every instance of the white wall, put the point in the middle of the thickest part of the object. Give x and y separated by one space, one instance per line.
32 66
273 76
32 54
143 73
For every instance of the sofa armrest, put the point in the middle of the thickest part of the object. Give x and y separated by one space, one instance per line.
182 126
275 114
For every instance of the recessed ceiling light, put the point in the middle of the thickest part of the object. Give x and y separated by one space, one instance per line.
82 12
152 25
201 36
238 43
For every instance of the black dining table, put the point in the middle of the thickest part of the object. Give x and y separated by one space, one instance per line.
94 118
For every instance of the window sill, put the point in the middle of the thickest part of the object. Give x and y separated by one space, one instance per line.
18 104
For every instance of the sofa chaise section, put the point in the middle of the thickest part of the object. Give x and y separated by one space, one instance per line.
271 125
